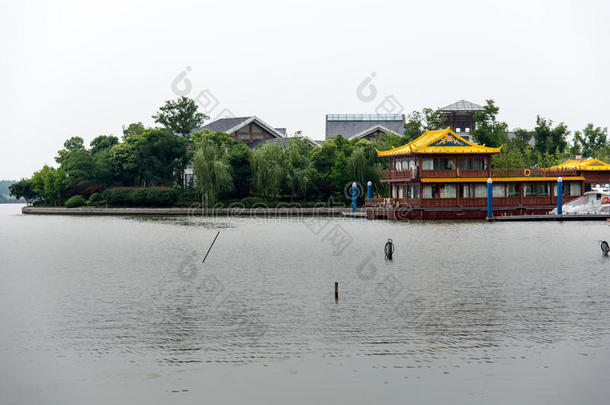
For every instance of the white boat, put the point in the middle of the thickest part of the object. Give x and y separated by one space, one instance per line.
594 202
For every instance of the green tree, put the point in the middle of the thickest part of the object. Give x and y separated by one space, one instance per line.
103 142
73 144
180 116
212 172
23 189
48 184
548 139
591 139
159 158
489 131
418 122
135 128
123 159
267 170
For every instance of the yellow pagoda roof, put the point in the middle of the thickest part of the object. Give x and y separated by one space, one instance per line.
587 165
439 141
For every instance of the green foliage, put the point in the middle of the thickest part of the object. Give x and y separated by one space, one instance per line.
135 128
23 189
95 197
418 122
212 172
141 196
589 140
180 116
489 131
268 170
76 143
75 201
549 139
250 202
48 185
103 142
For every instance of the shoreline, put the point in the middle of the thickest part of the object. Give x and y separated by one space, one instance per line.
276 212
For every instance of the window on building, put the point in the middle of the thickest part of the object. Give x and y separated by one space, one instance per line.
244 136
449 191
498 190
514 190
447 164
465 191
413 191
543 190
429 164
530 190
480 163
404 165
480 190
574 188
465 164
426 191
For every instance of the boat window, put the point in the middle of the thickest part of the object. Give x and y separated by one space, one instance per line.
480 164
480 191
543 189
598 196
426 191
498 190
447 164
514 190
429 164
413 191
530 190
465 191
465 164
449 191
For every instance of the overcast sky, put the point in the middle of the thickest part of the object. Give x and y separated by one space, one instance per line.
81 68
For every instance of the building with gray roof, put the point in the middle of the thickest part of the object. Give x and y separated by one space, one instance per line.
246 129
366 126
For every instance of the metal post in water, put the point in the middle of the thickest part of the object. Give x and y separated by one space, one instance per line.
490 211
559 195
369 190
336 291
354 196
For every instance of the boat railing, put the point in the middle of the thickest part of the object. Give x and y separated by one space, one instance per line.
535 172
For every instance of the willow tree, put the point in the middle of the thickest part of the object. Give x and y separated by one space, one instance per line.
212 172
268 169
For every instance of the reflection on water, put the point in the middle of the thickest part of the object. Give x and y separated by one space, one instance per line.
455 294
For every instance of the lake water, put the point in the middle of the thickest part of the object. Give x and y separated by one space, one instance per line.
108 310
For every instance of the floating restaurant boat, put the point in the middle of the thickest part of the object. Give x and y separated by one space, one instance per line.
442 175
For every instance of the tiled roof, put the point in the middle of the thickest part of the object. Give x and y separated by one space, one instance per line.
440 141
350 125
223 124
231 125
462 105
586 165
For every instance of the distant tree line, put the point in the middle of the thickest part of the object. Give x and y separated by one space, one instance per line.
226 170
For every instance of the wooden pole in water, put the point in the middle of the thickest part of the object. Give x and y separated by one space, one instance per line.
210 248
336 291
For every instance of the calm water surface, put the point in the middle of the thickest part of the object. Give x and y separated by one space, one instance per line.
121 310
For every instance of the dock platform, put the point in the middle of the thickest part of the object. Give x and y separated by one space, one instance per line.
579 217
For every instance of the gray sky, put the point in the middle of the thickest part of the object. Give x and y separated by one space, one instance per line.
80 68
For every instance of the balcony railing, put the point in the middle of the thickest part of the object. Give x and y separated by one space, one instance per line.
535 172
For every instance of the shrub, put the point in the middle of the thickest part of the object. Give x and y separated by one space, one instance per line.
75 201
141 196
95 197
249 202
